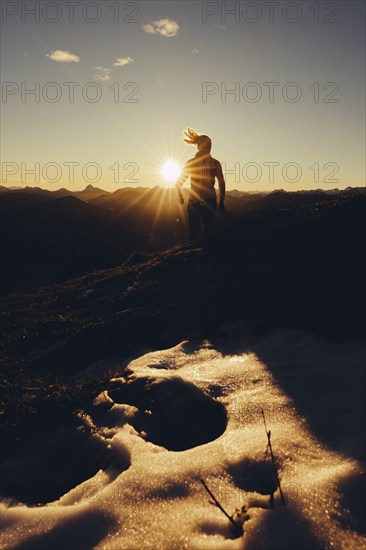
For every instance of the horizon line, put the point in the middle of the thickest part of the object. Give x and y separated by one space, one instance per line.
172 187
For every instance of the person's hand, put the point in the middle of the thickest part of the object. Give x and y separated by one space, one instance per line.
180 200
221 208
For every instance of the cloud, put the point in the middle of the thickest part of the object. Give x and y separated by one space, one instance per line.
102 77
105 73
162 27
122 61
194 50
63 56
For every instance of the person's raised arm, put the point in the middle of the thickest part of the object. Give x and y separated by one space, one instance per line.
178 186
222 187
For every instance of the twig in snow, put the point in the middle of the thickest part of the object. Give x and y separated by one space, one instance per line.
269 447
237 526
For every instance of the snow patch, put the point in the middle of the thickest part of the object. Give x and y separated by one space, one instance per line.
157 501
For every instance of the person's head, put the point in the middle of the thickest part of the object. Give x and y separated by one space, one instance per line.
202 141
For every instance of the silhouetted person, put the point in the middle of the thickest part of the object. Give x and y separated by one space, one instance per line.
203 169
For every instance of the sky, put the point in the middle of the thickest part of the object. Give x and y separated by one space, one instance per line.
278 86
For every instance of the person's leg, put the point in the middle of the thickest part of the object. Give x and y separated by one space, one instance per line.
208 216
194 220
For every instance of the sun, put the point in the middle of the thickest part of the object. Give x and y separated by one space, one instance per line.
171 170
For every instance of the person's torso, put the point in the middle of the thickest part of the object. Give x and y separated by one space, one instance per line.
203 170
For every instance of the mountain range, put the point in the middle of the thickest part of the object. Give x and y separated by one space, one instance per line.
50 236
